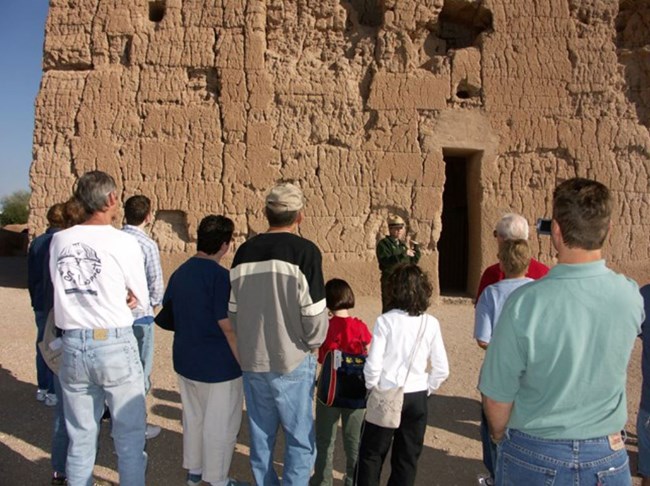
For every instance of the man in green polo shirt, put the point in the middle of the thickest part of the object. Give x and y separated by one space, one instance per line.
553 381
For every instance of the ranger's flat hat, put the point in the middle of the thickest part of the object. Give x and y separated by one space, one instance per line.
285 197
395 220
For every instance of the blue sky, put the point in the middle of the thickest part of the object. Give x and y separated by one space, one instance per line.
22 26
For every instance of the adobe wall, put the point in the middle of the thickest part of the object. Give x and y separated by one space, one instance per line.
203 104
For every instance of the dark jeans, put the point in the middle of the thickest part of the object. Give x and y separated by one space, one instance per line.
43 373
489 449
407 443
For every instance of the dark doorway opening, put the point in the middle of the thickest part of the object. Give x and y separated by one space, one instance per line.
453 246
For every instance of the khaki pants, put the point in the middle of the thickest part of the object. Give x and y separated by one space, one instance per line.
211 419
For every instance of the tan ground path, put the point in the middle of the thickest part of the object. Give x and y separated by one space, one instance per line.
452 449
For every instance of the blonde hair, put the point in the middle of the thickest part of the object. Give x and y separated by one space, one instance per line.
514 256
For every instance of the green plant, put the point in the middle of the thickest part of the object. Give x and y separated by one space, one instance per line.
15 208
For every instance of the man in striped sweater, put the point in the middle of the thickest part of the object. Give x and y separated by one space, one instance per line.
277 307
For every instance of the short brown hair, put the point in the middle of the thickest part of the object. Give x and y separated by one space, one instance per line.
74 212
136 209
280 219
514 256
409 289
338 295
213 232
55 216
582 208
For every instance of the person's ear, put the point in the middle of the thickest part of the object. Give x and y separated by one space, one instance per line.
299 218
111 200
556 233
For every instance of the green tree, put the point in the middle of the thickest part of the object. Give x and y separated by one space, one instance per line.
15 208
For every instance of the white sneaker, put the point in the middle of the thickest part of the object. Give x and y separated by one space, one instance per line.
485 479
152 431
40 394
51 400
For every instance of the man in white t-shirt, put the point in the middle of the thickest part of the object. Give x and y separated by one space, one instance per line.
95 269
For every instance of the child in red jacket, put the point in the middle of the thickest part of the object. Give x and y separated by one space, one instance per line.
351 336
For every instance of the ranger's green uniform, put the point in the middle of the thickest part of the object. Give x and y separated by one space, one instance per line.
390 252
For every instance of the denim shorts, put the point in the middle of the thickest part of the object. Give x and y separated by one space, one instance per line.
526 460
643 433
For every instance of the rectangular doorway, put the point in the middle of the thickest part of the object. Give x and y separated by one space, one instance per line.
457 248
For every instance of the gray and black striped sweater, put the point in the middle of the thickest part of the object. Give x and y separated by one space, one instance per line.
277 301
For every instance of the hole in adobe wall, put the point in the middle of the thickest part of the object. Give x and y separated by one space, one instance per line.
170 230
633 52
465 90
205 82
633 24
366 12
156 11
125 58
461 22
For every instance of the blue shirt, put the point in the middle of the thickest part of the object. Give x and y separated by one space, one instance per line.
152 270
490 303
199 290
645 359
38 274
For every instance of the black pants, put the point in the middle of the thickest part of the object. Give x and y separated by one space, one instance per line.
407 443
384 292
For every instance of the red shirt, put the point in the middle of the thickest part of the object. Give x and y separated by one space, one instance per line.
493 274
349 334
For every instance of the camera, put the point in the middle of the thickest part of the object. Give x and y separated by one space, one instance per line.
543 226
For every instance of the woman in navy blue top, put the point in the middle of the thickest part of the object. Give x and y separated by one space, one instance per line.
205 356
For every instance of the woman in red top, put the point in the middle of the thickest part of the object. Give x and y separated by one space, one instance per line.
348 335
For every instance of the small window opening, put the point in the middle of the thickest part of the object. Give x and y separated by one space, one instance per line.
156 11
466 90
366 12
461 22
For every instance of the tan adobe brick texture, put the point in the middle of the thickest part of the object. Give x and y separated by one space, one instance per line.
446 112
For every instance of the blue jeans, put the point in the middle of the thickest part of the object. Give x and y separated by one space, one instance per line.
60 439
526 460
103 366
143 332
43 372
643 433
489 449
274 399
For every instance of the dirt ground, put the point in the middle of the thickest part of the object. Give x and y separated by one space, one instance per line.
451 456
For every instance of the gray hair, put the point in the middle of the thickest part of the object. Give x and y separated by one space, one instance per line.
512 226
93 189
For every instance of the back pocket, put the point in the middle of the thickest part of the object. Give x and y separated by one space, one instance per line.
519 473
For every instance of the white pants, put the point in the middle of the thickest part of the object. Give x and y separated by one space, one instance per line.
211 419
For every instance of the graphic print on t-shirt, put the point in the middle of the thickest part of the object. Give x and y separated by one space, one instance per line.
79 265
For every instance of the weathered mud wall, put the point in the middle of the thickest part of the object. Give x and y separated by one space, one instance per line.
447 112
